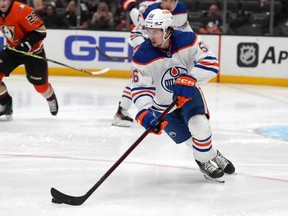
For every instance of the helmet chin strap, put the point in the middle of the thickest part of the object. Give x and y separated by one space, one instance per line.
164 40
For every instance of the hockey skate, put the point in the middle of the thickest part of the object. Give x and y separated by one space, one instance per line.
122 118
211 171
223 163
53 104
6 111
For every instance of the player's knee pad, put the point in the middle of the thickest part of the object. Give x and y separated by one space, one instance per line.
201 141
199 127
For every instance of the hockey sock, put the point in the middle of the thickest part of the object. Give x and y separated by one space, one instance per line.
45 90
4 95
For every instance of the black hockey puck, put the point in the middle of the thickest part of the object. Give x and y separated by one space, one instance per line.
55 201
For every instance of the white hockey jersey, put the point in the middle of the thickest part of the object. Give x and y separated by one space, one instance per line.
155 71
143 5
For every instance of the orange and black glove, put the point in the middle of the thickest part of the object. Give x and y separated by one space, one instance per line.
30 40
184 89
146 118
24 46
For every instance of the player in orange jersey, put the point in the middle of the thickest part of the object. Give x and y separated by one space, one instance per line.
23 31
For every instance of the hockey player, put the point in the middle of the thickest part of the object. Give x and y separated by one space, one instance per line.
138 35
178 10
25 32
173 64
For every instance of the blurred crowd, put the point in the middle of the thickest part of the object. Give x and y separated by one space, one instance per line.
243 17
93 14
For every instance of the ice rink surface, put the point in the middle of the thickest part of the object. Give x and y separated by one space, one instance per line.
73 150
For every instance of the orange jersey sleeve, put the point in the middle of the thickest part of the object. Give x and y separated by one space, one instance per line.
19 22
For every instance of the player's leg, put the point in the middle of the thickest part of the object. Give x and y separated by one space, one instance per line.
6 109
7 64
47 92
196 115
178 130
122 116
37 74
201 143
204 152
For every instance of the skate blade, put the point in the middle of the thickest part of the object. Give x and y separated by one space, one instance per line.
219 180
122 123
6 118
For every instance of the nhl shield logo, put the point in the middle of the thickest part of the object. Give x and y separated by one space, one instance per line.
247 54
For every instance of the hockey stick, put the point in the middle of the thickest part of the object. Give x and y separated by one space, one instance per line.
112 58
105 70
59 197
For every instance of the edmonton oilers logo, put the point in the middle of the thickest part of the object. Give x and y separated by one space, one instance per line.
169 77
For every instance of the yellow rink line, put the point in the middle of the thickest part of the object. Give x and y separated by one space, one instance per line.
254 80
126 74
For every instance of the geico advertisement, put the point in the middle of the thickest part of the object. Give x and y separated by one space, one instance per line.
78 48
254 56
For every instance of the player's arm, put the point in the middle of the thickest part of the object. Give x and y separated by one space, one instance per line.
181 18
31 39
142 89
143 93
35 28
130 6
206 65
136 38
182 24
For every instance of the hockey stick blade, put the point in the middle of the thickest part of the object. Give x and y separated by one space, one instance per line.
79 200
112 58
69 200
105 70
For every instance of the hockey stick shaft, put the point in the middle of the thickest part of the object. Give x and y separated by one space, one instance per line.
112 58
72 200
56 62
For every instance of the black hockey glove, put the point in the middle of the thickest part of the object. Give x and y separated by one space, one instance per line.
24 46
31 39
